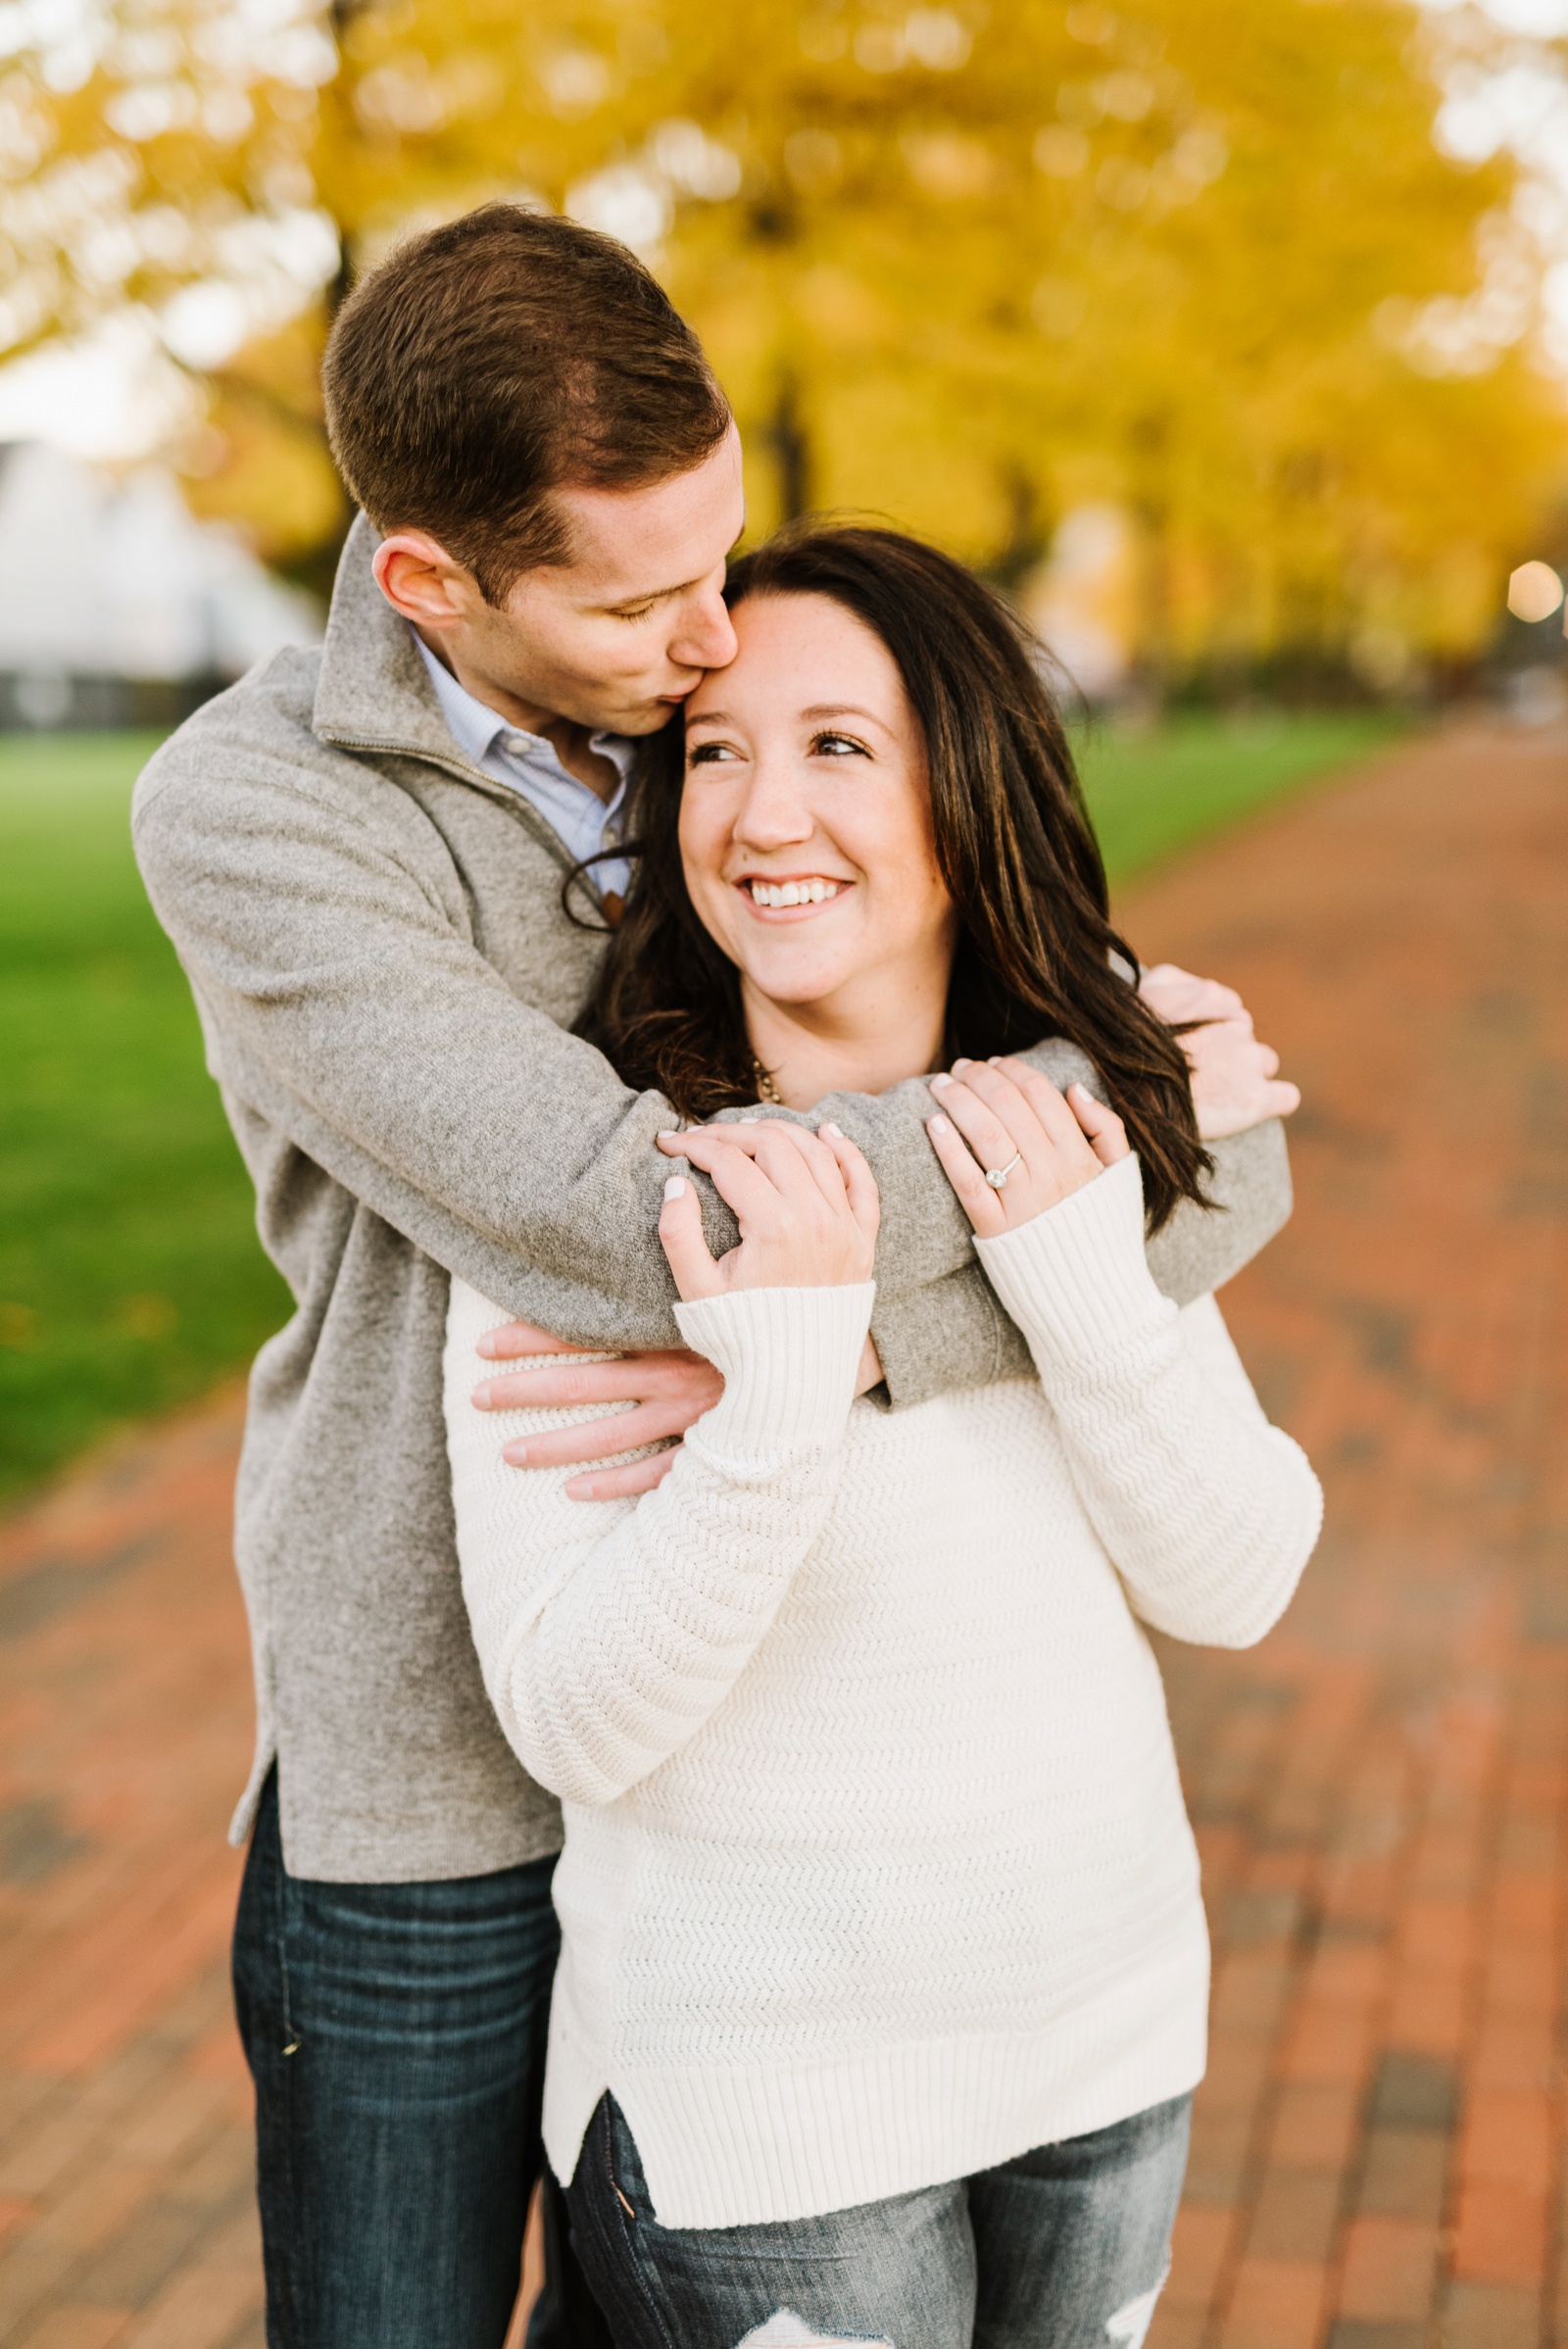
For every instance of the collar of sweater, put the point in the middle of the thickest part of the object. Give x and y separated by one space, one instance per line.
371 689
374 693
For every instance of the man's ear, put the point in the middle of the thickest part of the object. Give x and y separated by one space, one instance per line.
420 580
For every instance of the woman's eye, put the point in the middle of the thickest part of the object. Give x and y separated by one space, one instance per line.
706 753
837 745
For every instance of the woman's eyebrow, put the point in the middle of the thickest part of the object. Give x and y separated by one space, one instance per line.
846 709
723 717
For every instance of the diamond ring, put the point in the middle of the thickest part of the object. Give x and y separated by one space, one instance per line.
997 1176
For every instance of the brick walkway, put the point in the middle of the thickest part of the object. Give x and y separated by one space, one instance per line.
125 2199
1379 1788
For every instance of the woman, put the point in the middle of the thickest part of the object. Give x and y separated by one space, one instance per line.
884 1971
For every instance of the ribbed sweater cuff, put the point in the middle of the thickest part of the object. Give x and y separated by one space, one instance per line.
1075 1279
789 1358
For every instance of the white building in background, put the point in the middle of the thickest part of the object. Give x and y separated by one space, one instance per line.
108 578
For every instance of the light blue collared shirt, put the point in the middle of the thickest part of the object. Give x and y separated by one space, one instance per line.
528 764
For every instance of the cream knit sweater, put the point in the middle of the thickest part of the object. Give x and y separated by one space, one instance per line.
877 1871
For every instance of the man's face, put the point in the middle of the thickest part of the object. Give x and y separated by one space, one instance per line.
614 637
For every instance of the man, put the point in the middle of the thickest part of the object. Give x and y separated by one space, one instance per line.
364 857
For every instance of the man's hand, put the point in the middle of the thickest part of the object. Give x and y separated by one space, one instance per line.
668 1392
1235 1079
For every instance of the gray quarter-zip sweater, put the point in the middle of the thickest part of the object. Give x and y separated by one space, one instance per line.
373 931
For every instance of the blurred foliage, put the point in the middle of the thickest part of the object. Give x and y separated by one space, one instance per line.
966 265
261 463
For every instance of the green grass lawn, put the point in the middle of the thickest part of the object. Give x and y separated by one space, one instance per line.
1154 793
130 1277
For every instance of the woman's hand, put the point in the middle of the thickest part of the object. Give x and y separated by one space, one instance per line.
807 1209
994 1112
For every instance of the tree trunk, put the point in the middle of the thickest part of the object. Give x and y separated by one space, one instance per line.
791 455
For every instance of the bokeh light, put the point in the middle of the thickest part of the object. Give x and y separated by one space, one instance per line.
1535 592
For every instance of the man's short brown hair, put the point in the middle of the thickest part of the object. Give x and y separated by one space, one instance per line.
496 360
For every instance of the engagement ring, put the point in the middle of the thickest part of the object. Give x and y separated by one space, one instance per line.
997 1176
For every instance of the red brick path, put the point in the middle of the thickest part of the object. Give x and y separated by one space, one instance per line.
126 2198
1379 1788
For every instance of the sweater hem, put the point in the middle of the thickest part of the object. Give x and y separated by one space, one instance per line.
750 2144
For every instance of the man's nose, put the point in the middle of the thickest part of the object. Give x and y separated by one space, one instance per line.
705 637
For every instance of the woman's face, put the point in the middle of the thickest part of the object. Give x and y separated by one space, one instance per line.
805 817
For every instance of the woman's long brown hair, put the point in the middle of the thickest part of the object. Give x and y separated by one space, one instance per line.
1013 843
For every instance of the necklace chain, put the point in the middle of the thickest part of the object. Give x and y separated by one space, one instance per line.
766 1089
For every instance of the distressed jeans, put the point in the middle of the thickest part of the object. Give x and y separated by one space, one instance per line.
1064 2248
396 2036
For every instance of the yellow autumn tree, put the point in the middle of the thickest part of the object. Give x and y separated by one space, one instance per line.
966 265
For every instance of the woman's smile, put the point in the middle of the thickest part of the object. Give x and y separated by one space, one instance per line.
795 894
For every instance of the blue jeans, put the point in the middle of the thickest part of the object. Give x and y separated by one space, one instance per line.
1064 2248
396 2036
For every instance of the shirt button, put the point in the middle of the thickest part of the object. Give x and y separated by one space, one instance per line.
612 836
517 744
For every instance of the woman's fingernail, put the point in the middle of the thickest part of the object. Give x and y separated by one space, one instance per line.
481 1396
938 1125
515 1455
831 1128
938 1082
957 1064
675 1188
668 1133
